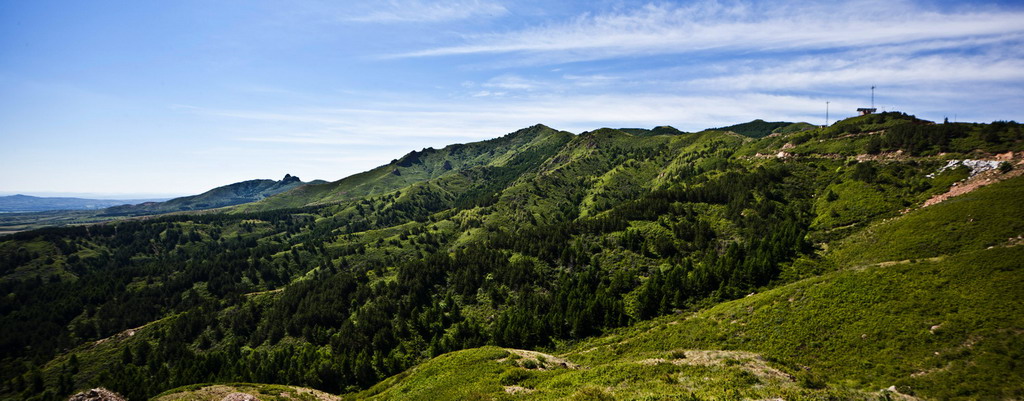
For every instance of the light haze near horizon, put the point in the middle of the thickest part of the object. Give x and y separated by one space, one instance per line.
151 99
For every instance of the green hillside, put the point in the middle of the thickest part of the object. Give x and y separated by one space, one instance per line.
26 203
228 195
761 128
642 263
485 158
939 328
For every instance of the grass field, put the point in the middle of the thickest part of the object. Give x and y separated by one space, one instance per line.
912 307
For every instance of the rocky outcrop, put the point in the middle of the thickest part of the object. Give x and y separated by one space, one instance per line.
97 394
987 175
976 166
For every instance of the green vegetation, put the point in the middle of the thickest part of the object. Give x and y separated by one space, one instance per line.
476 160
918 326
266 392
978 220
891 132
761 128
629 256
228 195
25 203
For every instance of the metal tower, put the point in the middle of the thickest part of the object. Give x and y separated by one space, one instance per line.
826 112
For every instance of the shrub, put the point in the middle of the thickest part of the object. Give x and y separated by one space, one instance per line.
593 394
514 376
810 380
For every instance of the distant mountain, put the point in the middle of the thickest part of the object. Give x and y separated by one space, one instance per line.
828 263
761 128
659 130
472 170
228 195
26 203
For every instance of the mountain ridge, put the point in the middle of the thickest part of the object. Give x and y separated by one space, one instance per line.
415 166
227 195
20 203
219 197
542 247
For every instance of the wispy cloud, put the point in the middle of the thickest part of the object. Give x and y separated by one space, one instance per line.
425 123
810 73
513 82
711 25
428 11
591 80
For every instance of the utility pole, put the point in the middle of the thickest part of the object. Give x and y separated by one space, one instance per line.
826 112
872 96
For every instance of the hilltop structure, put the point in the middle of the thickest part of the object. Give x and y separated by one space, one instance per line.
863 111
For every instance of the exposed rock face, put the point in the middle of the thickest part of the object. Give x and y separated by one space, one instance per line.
288 178
97 394
976 166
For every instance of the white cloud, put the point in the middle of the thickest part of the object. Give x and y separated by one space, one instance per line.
591 80
739 61
429 11
512 82
348 140
440 123
816 73
709 25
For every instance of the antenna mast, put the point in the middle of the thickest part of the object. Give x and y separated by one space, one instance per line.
826 113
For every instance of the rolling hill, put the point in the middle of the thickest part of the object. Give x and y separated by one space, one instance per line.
224 196
938 323
473 161
612 264
25 203
228 195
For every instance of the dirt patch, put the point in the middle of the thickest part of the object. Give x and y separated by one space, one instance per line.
320 395
276 290
537 360
123 335
896 156
215 392
897 262
980 180
749 361
893 394
517 390
97 394
247 392
240 397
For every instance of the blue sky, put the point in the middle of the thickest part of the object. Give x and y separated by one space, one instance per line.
142 98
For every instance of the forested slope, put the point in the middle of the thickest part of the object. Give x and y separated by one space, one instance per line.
536 240
228 195
943 324
494 159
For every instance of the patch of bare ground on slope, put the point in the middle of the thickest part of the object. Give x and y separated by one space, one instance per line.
977 181
97 394
248 392
748 361
537 360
